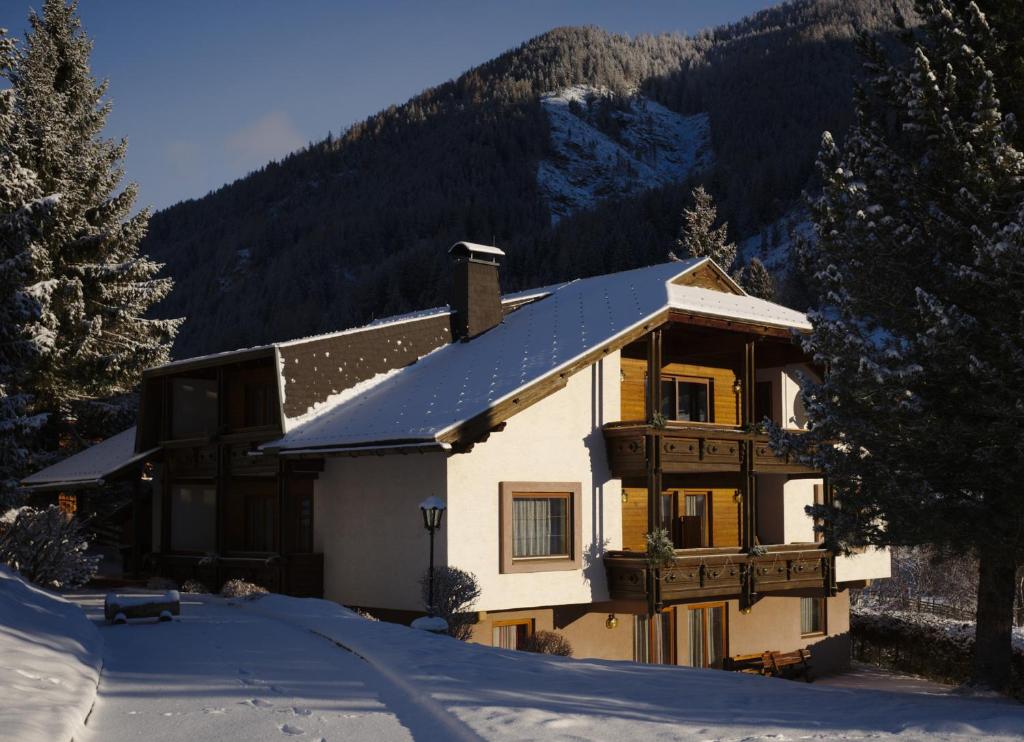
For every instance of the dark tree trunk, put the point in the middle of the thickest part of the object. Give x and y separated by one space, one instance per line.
993 632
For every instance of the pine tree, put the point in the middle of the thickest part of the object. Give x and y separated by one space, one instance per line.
700 238
22 339
93 287
757 281
919 270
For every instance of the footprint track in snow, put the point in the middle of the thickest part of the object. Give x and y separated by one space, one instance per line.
291 730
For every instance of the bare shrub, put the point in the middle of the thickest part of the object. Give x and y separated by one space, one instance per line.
242 589
547 642
46 547
455 593
194 586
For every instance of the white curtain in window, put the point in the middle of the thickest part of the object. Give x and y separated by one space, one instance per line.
539 526
810 615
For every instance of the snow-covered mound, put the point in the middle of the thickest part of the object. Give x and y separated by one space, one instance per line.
606 148
50 663
473 692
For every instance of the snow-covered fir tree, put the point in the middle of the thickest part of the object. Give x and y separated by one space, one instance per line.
699 237
22 339
919 270
91 285
757 281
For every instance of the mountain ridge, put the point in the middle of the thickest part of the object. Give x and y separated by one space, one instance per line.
355 227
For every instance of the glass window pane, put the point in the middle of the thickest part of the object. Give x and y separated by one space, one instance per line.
540 526
811 615
640 629
693 401
668 399
193 407
193 518
716 645
510 636
697 639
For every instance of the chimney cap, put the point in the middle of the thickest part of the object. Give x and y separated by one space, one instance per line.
474 251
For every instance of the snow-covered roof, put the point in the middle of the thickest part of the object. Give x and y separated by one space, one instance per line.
735 306
90 466
457 382
473 247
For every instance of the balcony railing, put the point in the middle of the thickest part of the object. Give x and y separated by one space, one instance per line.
719 573
691 448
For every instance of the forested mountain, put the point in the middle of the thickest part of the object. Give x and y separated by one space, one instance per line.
355 227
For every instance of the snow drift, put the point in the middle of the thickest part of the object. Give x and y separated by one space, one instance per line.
51 663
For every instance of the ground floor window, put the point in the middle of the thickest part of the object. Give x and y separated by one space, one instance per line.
812 616
706 635
193 517
511 634
653 639
250 515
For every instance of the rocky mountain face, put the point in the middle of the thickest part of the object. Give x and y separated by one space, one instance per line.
574 152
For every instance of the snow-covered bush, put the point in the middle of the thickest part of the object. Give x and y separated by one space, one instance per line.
455 592
366 614
547 642
46 547
242 589
194 586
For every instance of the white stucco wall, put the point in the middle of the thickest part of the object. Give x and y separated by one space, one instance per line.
559 439
781 518
787 408
869 564
368 525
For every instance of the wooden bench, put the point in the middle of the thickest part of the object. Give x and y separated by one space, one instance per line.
119 608
775 664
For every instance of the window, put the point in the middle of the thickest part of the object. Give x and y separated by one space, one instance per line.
511 634
812 616
193 408
193 517
652 639
763 401
260 405
706 635
540 526
259 523
686 398
695 521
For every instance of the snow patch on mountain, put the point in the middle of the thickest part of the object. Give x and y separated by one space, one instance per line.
605 146
775 243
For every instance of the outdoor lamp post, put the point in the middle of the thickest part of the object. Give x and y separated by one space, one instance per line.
433 510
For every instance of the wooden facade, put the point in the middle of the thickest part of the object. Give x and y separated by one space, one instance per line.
227 511
689 452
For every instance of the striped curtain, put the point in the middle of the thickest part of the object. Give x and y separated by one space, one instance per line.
810 615
539 526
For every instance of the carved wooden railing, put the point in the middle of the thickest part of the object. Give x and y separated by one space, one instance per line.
691 448
719 573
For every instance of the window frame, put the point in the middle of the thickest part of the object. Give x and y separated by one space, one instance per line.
709 386
509 491
822 617
169 519
706 627
529 623
644 627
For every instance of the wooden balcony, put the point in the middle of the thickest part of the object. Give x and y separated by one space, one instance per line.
691 448
719 573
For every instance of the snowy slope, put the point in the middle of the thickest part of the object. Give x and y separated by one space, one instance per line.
50 663
775 242
598 153
507 695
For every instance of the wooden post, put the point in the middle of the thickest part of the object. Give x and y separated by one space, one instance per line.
137 526
652 445
220 475
748 481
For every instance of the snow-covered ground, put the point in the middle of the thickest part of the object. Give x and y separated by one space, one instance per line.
49 663
653 146
277 668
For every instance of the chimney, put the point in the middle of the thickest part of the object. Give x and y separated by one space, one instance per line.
476 296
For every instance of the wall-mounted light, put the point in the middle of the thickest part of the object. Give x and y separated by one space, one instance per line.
746 610
625 496
737 386
611 622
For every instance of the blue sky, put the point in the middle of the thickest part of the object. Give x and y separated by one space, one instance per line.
208 90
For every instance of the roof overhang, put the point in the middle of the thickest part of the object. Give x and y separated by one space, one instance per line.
96 465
